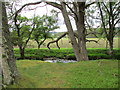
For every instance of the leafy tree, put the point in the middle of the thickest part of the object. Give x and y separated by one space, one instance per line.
43 26
21 34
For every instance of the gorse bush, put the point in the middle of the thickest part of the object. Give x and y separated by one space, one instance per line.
66 53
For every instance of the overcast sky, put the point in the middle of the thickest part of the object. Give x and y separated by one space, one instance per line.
43 10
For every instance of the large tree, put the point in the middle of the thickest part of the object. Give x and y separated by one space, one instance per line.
78 11
8 63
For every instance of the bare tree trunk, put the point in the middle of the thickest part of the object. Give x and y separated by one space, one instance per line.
110 52
111 29
9 70
39 46
22 52
81 30
106 44
71 33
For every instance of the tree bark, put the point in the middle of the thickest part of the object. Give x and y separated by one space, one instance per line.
39 44
0 46
106 44
81 30
110 52
71 33
112 28
22 52
9 70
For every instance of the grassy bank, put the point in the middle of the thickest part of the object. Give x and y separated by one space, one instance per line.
66 53
84 74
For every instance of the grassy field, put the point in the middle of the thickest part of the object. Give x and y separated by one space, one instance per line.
84 74
64 43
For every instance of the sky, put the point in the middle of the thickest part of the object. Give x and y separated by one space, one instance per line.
43 9
46 11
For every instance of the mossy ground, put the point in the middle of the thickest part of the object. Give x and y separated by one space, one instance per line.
84 74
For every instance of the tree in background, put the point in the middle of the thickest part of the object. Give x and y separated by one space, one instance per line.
109 13
21 34
105 16
43 26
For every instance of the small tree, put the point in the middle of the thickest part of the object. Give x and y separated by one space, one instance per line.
43 26
22 33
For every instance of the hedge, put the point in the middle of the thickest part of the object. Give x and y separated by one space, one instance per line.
68 53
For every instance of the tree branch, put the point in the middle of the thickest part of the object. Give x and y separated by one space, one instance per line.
56 41
117 21
103 22
89 4
18 11
91 41
106 8
42 42
72 11
116 6
29 36
55 5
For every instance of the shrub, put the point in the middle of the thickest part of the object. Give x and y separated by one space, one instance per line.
71 56
98 56
32 53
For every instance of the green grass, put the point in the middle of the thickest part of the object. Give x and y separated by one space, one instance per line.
84 74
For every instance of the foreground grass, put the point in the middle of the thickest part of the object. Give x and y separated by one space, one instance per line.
84 74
